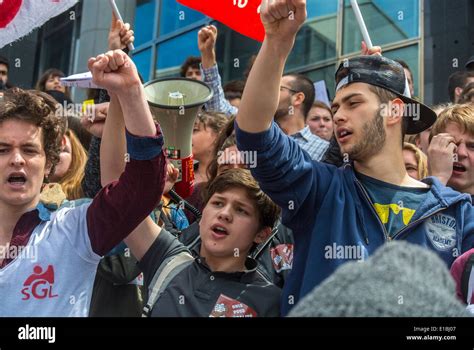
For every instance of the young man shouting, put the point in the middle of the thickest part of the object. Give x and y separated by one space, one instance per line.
341 214
50 259
216 278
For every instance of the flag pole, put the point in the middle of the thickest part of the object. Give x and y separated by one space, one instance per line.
116 11
362 26
365 34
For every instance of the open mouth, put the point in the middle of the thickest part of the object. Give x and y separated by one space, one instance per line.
16 180
459 168
219 230
343 134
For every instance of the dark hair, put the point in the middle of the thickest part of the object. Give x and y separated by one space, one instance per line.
191 61
405 65
39 109
303 84
457 79
50 73
234 89
4 61
467 94
267 211
225 139
214 120
85 137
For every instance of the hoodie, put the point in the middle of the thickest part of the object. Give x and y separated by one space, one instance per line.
332 218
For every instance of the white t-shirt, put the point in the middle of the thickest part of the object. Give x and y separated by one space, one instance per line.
54 274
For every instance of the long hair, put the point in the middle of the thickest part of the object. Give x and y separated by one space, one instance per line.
71 182
421 160
51 73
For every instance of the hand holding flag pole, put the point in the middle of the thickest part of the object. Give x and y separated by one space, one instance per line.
369 47
117 14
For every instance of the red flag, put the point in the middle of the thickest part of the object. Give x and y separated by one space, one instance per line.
240 15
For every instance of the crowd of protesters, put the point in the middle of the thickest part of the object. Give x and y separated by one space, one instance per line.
289 191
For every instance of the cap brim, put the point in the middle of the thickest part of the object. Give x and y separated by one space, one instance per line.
419 118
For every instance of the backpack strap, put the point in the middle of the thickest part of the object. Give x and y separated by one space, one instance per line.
162 278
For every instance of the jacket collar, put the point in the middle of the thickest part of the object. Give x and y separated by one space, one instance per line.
250 264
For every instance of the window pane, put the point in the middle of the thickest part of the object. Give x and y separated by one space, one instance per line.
316 41
144 18
410 56
233 52
174 16
326 74
56 51
142 61
387 21
172 53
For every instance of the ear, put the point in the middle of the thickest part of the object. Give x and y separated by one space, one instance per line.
297 99
397 107
262 235
417 141
458 91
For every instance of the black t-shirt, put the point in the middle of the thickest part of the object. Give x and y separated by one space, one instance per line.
196 291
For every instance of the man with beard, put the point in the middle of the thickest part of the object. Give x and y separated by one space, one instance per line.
343 214
296 98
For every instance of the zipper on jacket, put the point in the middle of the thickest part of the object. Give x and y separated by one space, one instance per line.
384 230
411 224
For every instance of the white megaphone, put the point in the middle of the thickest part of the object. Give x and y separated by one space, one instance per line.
175 103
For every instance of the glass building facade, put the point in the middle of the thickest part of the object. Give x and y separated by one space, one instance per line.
166 34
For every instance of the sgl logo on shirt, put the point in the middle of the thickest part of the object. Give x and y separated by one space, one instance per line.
39 285
441 230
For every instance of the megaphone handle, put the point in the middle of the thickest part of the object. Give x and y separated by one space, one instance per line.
185 186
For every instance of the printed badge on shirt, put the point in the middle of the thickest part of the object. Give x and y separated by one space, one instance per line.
228 307
39 285
282 257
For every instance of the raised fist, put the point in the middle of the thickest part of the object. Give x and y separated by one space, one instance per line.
207 37
282 18
114 71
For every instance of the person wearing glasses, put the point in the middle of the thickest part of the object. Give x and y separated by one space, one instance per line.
297 95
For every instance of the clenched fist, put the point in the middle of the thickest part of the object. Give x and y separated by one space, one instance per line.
282 18
114 71
207 38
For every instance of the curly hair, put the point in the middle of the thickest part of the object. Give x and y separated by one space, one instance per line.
191 62
39 109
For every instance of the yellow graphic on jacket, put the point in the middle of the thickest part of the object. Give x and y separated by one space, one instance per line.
383 211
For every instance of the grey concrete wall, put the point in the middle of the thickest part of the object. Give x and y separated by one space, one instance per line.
96 18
